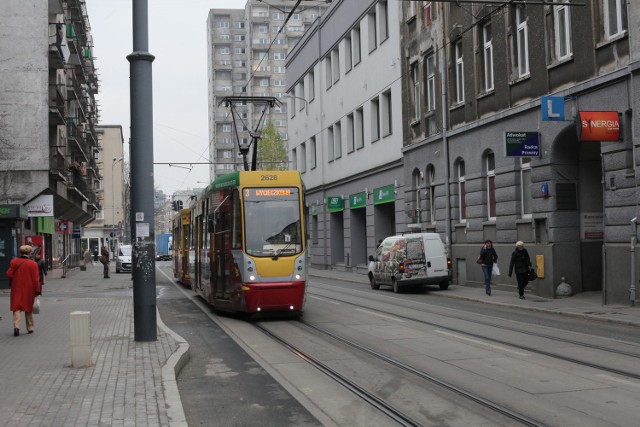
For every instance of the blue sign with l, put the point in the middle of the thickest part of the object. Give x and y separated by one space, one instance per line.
552 108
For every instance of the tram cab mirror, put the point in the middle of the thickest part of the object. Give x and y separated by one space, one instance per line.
215 221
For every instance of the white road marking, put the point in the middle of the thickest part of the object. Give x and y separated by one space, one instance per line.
380 315
497 347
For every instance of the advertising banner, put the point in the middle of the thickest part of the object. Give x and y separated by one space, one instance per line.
358 200
522 144
335 204
41 206
599 126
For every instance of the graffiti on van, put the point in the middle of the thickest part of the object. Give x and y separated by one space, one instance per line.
403 258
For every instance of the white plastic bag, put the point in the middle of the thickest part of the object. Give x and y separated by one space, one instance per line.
36 306
495 271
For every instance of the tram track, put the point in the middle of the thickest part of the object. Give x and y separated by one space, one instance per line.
530 349
394 413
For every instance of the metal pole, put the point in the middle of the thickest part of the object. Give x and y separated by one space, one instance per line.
142 227
632 288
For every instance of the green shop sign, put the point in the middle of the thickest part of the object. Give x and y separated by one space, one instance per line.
314 209
335 204
358 200
386 194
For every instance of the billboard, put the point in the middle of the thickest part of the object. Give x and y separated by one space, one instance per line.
598 126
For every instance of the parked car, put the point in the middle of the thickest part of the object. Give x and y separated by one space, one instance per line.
410 260
123 259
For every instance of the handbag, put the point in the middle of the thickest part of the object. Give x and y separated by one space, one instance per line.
479 260
532 274
36 305
495 270
103 259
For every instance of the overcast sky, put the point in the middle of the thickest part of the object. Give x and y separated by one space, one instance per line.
178 40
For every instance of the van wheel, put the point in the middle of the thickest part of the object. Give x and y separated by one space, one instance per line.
444 285
373 283
394 285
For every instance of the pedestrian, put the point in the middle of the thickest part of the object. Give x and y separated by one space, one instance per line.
95 256
104 259
521 262
42 268
25 286
486 259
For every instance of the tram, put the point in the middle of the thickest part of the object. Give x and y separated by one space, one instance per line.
181 246
248 235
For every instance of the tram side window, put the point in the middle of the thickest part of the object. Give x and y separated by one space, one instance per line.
236 222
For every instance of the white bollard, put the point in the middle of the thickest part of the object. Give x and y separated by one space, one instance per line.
80 322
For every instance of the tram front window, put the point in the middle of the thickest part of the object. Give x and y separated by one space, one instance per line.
272 221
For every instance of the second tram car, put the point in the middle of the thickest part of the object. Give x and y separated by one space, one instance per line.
248 235
182 245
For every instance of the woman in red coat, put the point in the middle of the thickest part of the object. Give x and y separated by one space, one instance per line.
25 285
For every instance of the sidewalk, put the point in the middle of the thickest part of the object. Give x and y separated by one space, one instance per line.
587 305
128 383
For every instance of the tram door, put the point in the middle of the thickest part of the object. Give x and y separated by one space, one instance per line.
222 248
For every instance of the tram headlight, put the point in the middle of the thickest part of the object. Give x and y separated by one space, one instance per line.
252 277
298 276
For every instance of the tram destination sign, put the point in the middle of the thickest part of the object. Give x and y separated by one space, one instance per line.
522 144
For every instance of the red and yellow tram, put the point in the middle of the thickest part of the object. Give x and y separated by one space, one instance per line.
182 245
248 235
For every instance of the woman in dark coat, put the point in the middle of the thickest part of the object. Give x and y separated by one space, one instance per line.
25 285
105 263
487 257
521 262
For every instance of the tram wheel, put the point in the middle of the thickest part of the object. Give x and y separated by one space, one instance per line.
373 283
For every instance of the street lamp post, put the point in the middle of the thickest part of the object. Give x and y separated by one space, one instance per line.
113 199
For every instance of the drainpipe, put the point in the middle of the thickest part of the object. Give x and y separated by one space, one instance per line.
445 145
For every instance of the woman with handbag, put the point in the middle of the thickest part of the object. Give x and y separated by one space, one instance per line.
487 257
104 259
521 262
25 286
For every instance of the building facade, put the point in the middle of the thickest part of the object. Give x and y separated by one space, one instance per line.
246 51
48 115
516 94
346 129
109 225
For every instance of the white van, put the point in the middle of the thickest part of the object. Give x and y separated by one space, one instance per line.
414 259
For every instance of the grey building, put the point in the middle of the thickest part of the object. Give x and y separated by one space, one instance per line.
246 51
487 155
48 114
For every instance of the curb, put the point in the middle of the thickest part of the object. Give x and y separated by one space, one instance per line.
170 370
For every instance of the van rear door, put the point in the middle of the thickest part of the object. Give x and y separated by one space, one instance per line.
436 256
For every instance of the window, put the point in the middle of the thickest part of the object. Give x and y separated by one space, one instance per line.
347 55
487 49
384 25
264 82
99 214
226 154
263 29
280 83
303 158
300 91
411 10
223 24
522 42
226 140
224 51
350 134
459 69
238 24
225 37
239 50
337 139
386 114
335 61
614 18
355 46
281 56
562 21
375 119
490 172
430 74
294 159
277 15
276 28
312 85
312 154
415 83
330 142
431 194
278 69
525 186
226 127
327 69
359 131
462 204
427 14
239 37
373 37
280 123
292 103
